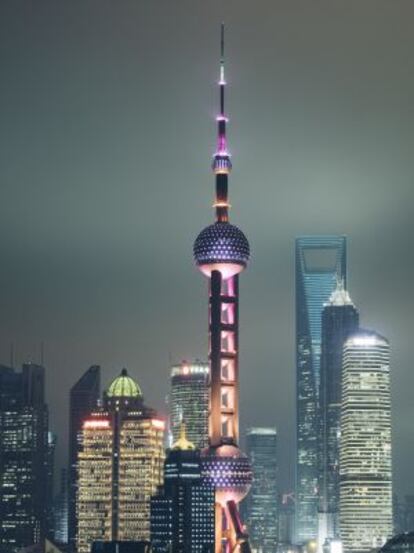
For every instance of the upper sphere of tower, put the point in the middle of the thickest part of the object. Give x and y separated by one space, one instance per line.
222 247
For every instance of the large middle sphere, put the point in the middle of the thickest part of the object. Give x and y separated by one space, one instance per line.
222 247
227 469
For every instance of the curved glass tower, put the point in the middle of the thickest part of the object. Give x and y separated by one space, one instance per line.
221 252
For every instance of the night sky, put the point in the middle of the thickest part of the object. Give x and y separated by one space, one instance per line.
106 135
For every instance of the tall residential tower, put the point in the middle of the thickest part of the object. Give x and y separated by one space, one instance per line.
221 252
320 262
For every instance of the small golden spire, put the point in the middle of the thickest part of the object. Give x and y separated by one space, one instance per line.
182 442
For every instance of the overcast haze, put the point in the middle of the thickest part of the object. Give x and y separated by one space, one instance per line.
106 135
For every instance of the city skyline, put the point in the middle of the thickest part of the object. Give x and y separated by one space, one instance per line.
57 260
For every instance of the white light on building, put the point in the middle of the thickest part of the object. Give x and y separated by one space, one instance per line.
365 456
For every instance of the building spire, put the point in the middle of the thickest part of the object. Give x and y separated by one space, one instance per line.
222 78
221 159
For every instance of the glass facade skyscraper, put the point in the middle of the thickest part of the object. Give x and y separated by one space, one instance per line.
189 399
24 478
340 319
366 520
261 506
320 262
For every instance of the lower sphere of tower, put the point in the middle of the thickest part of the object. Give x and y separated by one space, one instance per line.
228 470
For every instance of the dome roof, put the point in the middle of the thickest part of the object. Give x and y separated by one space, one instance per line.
221 243
124 386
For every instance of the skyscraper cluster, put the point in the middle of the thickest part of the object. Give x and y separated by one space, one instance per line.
124 491
343 474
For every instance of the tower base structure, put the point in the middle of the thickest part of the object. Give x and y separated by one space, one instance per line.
229 471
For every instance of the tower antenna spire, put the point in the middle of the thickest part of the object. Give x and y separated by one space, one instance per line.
221 252
222 55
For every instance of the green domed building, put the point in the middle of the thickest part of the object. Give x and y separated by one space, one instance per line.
120 465
124 392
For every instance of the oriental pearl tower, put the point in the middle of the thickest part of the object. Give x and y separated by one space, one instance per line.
221 252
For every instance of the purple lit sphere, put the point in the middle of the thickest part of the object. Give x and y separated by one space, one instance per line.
221 247
228 470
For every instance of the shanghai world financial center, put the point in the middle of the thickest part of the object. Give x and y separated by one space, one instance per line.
320 265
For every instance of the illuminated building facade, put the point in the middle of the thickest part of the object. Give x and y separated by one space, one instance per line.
83 399
189 401
221 252
261 506
320 262
340 319
60 510
120 465
365 452
183 511
24 481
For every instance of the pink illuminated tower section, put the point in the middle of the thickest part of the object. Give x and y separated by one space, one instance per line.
221 252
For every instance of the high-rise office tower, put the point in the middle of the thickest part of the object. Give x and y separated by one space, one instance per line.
261 506
189 401
50 467
23 457
60 510
286 520
84 396
320 262
221 252
365 452
340 319
183 511
120 465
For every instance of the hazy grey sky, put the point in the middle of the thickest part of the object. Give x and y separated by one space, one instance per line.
107 128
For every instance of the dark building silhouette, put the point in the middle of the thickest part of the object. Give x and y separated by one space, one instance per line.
23 457
402 543
340 319
84 396
320 262
60 510
121 547
183 511
261 506
50 464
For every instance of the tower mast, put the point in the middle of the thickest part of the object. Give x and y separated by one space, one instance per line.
221 252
